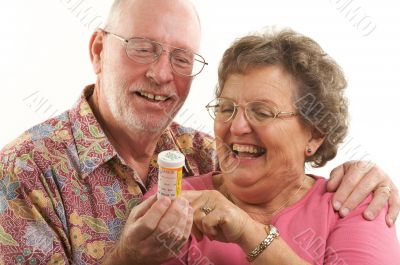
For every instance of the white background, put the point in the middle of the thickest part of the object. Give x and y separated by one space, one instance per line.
44 61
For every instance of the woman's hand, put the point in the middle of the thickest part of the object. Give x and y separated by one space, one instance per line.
219 219
216 217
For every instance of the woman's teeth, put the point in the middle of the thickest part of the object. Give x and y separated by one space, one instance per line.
248 149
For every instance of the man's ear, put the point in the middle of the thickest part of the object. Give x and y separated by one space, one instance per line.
95 50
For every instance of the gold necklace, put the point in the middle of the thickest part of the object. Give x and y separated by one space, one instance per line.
291 197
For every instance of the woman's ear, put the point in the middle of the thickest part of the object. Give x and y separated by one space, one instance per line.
95 49
316 140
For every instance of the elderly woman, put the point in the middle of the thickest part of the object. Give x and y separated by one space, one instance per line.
279 105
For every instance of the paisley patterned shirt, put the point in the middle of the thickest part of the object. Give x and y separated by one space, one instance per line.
65 193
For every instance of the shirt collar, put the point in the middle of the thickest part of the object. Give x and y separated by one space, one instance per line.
92 145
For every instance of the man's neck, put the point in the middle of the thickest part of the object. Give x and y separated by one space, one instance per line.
135 146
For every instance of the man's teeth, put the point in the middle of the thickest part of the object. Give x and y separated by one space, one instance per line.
160 98
153 97
241 148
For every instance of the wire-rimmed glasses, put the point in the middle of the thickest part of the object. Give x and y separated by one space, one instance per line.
145 51
256 112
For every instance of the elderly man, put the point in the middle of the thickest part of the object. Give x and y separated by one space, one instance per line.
68 185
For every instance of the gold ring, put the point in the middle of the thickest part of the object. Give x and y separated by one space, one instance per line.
205 209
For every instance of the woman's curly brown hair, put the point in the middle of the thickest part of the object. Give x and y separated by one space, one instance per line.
320 98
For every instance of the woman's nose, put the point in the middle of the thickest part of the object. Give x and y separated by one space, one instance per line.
239 124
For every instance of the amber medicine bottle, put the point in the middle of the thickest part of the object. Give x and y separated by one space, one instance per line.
170 165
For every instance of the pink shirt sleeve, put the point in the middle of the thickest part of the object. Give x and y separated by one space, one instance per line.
319 235
356 241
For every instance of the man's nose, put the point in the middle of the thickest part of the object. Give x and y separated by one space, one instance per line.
160 70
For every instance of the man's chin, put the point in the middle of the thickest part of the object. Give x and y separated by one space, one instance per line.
153 126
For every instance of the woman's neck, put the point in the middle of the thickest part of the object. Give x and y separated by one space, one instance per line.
265 210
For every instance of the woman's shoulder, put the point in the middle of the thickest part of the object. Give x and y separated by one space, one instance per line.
314 205
320 193
349 237
316 208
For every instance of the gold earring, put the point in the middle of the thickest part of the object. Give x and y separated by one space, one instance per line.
309 150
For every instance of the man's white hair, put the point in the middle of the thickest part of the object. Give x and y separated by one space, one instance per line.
117 8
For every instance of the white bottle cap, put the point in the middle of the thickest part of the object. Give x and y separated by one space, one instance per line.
171 159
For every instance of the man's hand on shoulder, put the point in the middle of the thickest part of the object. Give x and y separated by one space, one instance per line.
353 181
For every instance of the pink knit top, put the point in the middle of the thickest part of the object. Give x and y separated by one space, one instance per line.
311 228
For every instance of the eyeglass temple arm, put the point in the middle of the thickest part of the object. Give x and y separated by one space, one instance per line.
286 114
118 37
205 63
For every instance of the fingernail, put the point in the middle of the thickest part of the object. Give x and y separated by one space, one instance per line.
337 205
344 212
369 215
390 222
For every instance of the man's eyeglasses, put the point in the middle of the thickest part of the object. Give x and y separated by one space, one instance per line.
256 112
145 51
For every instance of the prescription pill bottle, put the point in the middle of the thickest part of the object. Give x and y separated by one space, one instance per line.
170 165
